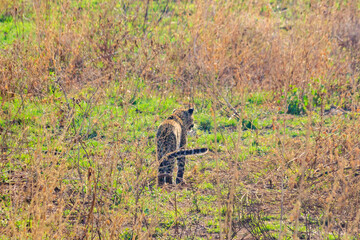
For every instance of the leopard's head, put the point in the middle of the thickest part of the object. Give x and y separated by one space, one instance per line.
186 115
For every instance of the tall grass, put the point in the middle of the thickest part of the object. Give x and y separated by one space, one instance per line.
84 84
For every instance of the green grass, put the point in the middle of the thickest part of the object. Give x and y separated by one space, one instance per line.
99 125
10 30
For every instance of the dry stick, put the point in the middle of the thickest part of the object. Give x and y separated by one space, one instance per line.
217 96
176 220
217 168
177 212
71 122
231 195
232 108
302 174
71 110
88 107
90 214
283 166
235 173
140 183
98 212
4 135
146 16
163 12
230 208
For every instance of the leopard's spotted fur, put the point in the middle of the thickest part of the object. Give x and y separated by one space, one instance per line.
171 141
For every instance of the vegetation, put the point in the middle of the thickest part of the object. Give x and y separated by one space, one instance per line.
275 85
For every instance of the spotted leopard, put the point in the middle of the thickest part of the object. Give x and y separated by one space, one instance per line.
171 142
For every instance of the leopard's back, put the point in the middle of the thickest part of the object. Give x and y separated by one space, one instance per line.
167 138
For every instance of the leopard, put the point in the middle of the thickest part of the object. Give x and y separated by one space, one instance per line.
170 145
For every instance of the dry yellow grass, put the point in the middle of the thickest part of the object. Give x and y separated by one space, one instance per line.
84 84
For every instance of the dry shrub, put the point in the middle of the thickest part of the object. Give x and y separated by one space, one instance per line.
258 45
201 48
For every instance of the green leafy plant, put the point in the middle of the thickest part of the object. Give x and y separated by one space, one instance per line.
296 102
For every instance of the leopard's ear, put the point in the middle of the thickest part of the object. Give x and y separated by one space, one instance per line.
174 110
191 110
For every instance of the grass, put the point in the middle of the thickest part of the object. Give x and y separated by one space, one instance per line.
85 84
107 130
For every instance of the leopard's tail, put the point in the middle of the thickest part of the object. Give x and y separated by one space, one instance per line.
185 152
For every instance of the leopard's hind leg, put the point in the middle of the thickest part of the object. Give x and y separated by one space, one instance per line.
167 144
181 169
165 172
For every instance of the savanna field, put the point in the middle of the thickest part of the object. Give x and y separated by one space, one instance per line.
275 86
